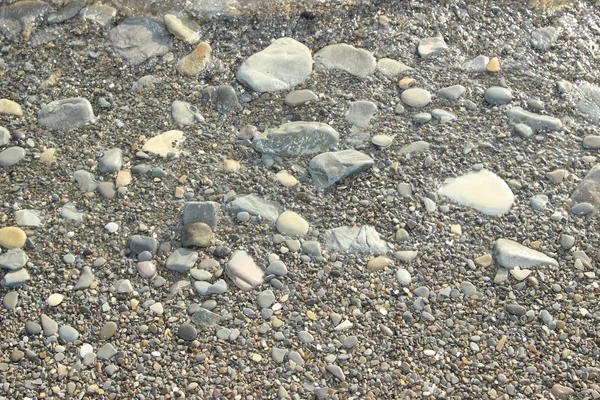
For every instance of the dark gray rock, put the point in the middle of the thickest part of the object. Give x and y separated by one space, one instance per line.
187 332
297 138
138 39
182 260
223 98
328 168
66 114
20 16
139 243
201 211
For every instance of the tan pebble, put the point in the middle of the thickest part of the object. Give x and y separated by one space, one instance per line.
12 237
256 357
311 315
520 274
384 20
47 156
181 29
276 322
123 178
196 61
182 179
378 263
493 65
405 83
9 107
231 166
456 229
484 261
286 179
94 285
179 192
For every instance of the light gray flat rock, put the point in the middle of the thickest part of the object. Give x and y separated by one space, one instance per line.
255 205
537 122
11 156
16 278
185 113
452 93
360 113
510 254
182 260
85 279
544 38
432 46
498 95
358 62
138 39
416 97
588 190
66 114
477 64
70 213
392 68
298 97
328 168
32 218
297 138
13 259
355 239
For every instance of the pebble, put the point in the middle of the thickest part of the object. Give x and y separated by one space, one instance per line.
296 138
543 39
13 259
432 46
106 352
54 299
182 28
567 241
66 114
11 156
452 93
357 62
68 333
360 113
185 113
146 269
561 391
107 330
516 309
164 144
290 223
278 354
403 277
243 271
197 234
589 142
187 332
498 95
266 298
255 205
305 337
537 122
328 168
378 263
286 179
10 300
510 254
336 371
493 65
383 141
392 68
416 97
12 237
16 278
182 260
138 39
477 64
196 61
111 161
406 256
85 279
297 98
9 107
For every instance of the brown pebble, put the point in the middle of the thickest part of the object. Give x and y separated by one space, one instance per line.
493 65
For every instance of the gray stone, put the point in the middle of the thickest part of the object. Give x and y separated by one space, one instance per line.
202 287
468 288
537 122
350 342
305 337
360 113
201 211
106 352
86 181
566 241
278 354
444 116
582 208
111 161
415 147
11 156
205 319
312 248
107 190
197 234
85 279
510 254
589 142
588 190
498 95
281 66
515 309
243 271
416 97
299 97
201 274
33 328
265 299
358 62
5 137
296 138
404 189
523 130
277 268
355 239
539 202
432 46
223 333
543 38
30 218
182 28
255 205
70 10
187 332
139 243
185 114
389 67
429 205
99 13
562 392
328 168
123 286
16 278
138 39
406 256
223 98
20 16
13 259
70 213
219 287
452 93
49 326
478 64
587 101
68 333
10 300
107 330
66 114
182 260
336 371
403 277
421 291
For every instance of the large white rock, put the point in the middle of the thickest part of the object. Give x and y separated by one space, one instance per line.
165 143
358 62
511 254
281 66
483 191
243 271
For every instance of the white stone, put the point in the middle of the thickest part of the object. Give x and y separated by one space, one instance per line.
55 299
243 271
510 254
290 223
165 143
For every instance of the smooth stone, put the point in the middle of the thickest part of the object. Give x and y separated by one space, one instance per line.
33 328
29 218
265 299
139 243
123 286
5 137
378 263
202 287
9 107
85 180
299 97
562 392
328 168
70 213
107 190
432 46
312 248
510 254
278 354
542 39
11 156
482 190
416 97
12 237
182 28
360 113
138 39
86 348
111 227
185 113
537 122
515 309
520 274
85 279
452 93
405 256
305 337
106 352
197 234
205 319
284 64
223 98
66 114
415 147
589 142
164 144
296 138
290 223
588 190
10 300
157 308
277 268
146 83
467 288
422 118
146 269
201 211
539 202
223 333
99 13
255 205
357 62
477 64
219 287
68 333
498 95
582 208
392 68
350 342
111 161
383 141
355 239
523 130
587 101
243 271
16 278
54 299
403 277
187 332
566 241
286 179
49 326
336 371
444 116
107 330
13 259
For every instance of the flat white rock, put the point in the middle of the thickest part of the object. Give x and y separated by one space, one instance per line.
165 143
510 254
482 190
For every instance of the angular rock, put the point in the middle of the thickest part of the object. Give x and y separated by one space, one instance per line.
13 259
392 68
185 113
11 156
355 239
16 278
243 271
107 352
482 190
85 279
49 326
357 62
223 98
452 93
265 298
432 46
328 168
70 10
360 113
415 147
107 190
588 190
290 223
66 114
197 234
111 161
201 211
283 65
537 122
478 64
205 319
510 254
19 18
138 39
296 138
196 61
139 243
182 28
70 213
86 181
99 13
299 97
543 38
255 205
30 218
164 144
182 260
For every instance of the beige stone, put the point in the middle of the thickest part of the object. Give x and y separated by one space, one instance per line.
12 237
290 223
493 65
48 156
196 61
165 143
10 107
123 178
182 28
378 263
231 166
286 179
485 260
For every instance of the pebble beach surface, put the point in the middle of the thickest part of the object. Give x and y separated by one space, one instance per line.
309 200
